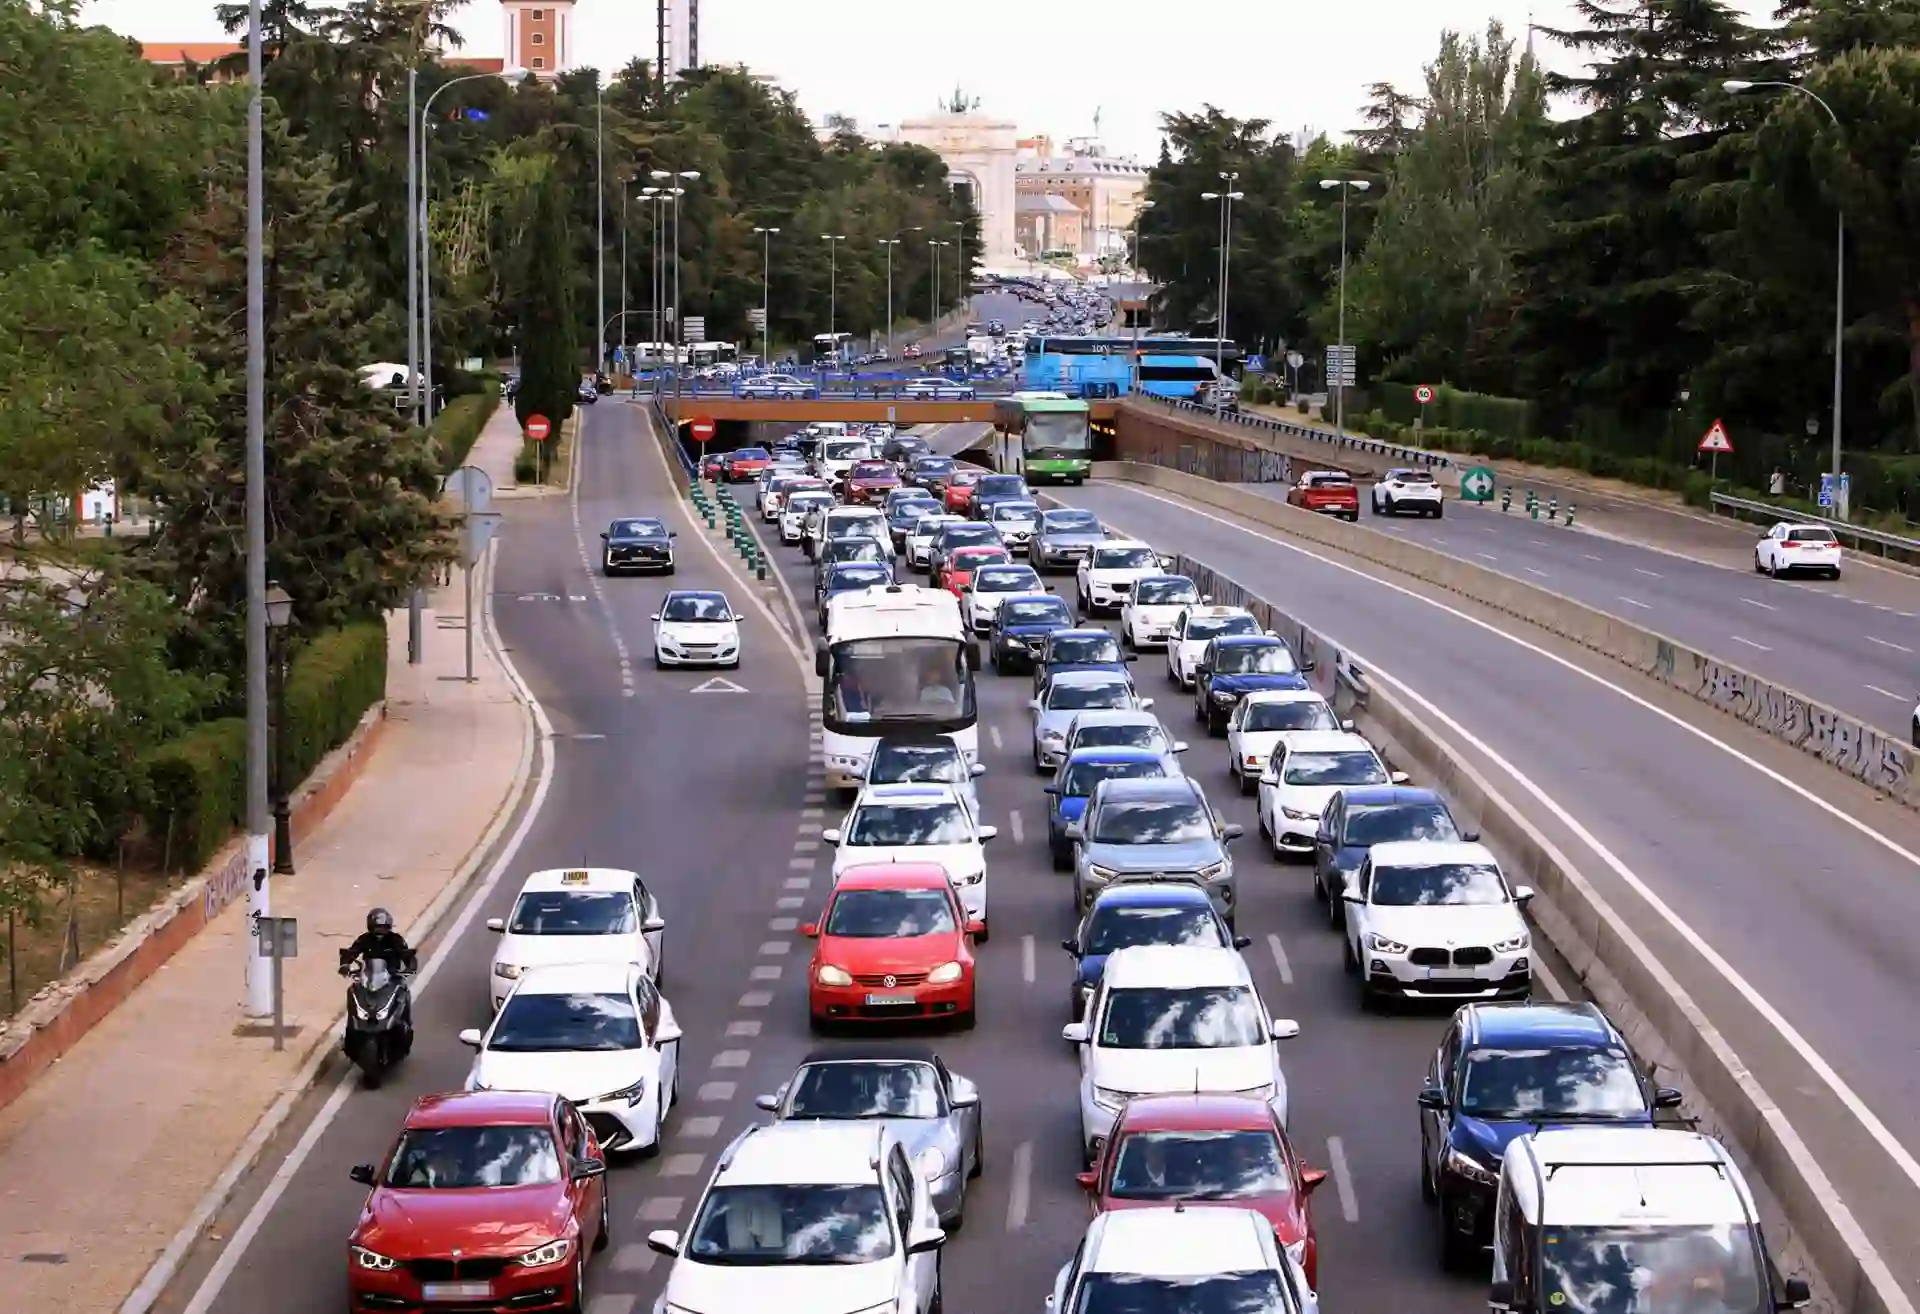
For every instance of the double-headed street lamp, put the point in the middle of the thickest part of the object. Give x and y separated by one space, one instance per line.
676 192
652 197
1346 186
1226 197
833 241
1839 281
889 243
933 249
766 269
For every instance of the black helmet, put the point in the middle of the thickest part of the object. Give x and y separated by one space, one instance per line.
380 922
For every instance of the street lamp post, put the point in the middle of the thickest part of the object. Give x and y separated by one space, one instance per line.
833 241
600 216
889 243
1839 287
1346 186
676 192
933 247
279 619
1226 199
766 282
649 195
259 1002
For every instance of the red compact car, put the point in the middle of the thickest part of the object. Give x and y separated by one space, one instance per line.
870 481
1329 492
962 562
894 944
959 488
488 1202
1223 1150
747 463
713 465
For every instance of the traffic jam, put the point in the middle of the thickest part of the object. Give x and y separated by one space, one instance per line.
1180 760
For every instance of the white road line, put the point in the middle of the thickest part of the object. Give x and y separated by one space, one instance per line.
766 972
1755 602
1441 541
756 999
1589 556
1486 556
1018 827
744 1027
1539 542
1342 1179
732 1058
993 733
1635 602
775 948
783 925
1021 1190
806 846
1750 643
1279 953
703 1128
801 864
717 1092
798 882
1541 573
634 1257
1886 644
660 1209
683 1165
1650 574
1026 959
790 901
1545 976
1888 692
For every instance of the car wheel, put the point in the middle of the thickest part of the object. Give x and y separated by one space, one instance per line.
1758 568
938 1304
1439 510
1062 858
659 1125
1457 1251
986 930
1347 959
668 570
979 1154
1336 911
1247 785
968 1019
605 1234
1319 888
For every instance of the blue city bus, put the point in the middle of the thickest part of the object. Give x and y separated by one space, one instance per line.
1169 365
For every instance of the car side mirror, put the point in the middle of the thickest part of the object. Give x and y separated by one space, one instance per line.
1130 658
1795 1293
583 1169
1242 941
769 1103
1206 599
673 533
966 1095
603 536
976 927
497 924
1202 668
1398 777
664 1243
471 1037
1666 1097
654 617
1071 946
361 1173
1233 830
811 930
1310 1179
830 836
1523 894
1033 704
655 923
1432 1097
1284 1028
977 769
1074 1033
925 1240
1309 665
1075 831
1051 789
1179 745
1469 837
1088 1181
988 832
667 1033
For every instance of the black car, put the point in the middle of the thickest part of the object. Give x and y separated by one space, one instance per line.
997 488
906 513
904 449
1356 819
1020 630
637 543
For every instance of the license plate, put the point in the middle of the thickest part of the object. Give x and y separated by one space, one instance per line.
456 1291
887 1001
1449 973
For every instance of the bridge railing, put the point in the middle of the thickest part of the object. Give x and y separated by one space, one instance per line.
1895 547
1410 456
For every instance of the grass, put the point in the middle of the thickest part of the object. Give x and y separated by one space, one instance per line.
30 952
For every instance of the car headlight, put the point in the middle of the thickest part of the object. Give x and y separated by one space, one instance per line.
932 1163
1109 1099
971 878
506 971
844 763
1298 814
1379 944
1213 872
1514 944
631 1094
1100 873
373 1261
1223 695
829 975
945 974
1465 1165
551 1253
1053 737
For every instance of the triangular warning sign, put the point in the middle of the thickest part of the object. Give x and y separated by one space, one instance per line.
1716 439
718 684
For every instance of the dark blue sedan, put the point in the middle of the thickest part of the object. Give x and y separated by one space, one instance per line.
1020 629
1234 666
1357 819
850 577
1133 913
1073 783
1080 650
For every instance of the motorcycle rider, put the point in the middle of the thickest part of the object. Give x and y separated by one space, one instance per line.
383 942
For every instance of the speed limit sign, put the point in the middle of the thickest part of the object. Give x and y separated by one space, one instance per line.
1423 394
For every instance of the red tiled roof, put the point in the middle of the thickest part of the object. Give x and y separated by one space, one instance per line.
187 52
476 63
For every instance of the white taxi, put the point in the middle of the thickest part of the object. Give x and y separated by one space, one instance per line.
1263 720
1798 549
1304 773
1433 920
920 538
696 627
1196 627
583 915
1148 614
918 823
1106 575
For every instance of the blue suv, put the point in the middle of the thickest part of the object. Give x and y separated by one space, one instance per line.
1163 910
1236 665
1073 784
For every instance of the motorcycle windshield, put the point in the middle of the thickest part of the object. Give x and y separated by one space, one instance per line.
374 976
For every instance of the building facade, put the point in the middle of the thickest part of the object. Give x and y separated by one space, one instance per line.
979 154
678 36
1105 191
539 35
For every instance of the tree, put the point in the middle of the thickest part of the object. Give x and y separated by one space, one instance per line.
542 302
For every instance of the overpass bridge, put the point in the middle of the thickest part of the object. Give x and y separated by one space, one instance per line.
867 410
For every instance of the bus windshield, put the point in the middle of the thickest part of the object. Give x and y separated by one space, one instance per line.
1058 432
877 682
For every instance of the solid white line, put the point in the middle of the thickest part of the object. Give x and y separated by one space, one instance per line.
1755 602
1589 556
1884 644
1280 962
1634 602
1650 574
1342 1179
1888 692
1545 976
1026 959
1486 556
1869 1121
1021 1190
1750 643
1541 573
1018 827
993 733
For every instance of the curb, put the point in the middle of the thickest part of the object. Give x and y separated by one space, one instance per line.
320 1047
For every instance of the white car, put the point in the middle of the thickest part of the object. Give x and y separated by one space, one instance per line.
1166 1257
918 823
1017 521
581 915
808 1217
836 456
777 385
1148 614
993 585
1167 1019
598 1034
1303 775
1263 720
1430 920
1798 549
1106 575
696 627
784 483
1064 697
1401 491
794 513
937 760
920 538
1196 627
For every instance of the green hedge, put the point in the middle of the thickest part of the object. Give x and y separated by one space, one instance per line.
196 785
457 428
1454 408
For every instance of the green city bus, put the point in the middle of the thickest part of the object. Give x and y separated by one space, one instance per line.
1048 439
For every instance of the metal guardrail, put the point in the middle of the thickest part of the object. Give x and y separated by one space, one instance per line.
1895 546
1406 455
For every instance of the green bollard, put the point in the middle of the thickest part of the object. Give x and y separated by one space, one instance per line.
1506 501
1553 509
1533 505
1569 515
760 570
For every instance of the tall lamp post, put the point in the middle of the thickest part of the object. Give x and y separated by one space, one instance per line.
1839 285
833 241
279 619
1226 199
600 216
650 195
1347 186
259 1003
889 243
933 248
676 192
766 283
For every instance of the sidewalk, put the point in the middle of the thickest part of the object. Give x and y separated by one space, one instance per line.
498 446
107 1155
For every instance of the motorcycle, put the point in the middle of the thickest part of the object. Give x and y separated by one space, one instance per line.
379 1017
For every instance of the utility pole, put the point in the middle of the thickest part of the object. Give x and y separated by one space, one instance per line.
600 215
259 1003
1347 186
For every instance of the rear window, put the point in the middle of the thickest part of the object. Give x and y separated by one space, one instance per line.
1811 535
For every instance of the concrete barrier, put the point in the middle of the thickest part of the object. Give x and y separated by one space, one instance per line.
1861 751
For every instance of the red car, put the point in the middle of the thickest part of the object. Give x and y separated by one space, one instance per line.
713 465
870 481
959 488
747 462
1327 491
893 944
962 562
488 1202
1222 1150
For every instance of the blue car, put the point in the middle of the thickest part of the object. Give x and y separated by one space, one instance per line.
1081 650
1020 630
1356 819
1508 1070
1129 913
1073 783
1235 665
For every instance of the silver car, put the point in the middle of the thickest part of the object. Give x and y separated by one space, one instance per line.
1017 522
934 1112
1127 729
1066 534
935 760
1137 828
1066 695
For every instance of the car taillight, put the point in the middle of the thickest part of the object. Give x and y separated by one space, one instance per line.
1789 543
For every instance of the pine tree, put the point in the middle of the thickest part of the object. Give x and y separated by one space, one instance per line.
543 309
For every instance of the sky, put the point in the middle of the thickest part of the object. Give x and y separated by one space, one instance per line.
1048 67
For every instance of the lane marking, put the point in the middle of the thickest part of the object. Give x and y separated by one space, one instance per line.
1888 692
993 733
1541 573
811 813
798 882
784 924
1342 1179
703 1128
660 1209
1650 574
744 1027
1545 975
1635 602
1897 647
1018 827
634 1257
1486 556
1749 642
1280 962
756 999
1020 1192
766 972
683 1165
806 846
775 948
1755 602
717 1092
1589 556
1026 959
802 864
732 1058
790 901
1539 542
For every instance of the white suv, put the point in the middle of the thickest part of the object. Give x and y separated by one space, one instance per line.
1173 1258
1429 919
1303 773
1106 575
1805 549
582 915
812 1218
1172 1018
1399 491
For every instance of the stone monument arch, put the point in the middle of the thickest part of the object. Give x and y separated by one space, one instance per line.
979 155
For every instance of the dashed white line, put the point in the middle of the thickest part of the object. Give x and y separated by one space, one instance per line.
1279 952
799 882
1635 602
1486 556
766 972
790 901
1888 692
806 846
756 999
634 1257
1885 643
683 1165
815 796
813 813
1018 827
1342 1179
732 1058
1539 542
810 827
1026 959
993 733
744 1027
1749 642
1755 602
1019 1194
1650 574
665 1208
801 864
784 925
775 948
1441 541
1589 556
1534 571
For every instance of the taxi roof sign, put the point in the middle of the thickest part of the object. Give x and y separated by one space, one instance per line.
574 878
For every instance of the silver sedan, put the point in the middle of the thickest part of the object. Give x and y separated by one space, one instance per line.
1067 694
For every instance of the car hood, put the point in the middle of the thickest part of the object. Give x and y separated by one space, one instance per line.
1073 538
579 1075
546 950
917 1134
1447 924
1190 856
1035 629
1308 798
1161 612
790 1288
1166 1071
1056 720
958 859
1283 1212
1118 668
1249 683
478 1223
863 957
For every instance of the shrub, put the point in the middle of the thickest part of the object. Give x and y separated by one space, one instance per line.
335 677
457 428
526 466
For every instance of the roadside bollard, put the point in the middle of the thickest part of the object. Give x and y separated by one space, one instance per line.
1569 521
760 570
1506 501
1533 505
1553 509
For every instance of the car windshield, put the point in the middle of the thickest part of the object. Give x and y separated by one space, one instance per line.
765 1225
1002 486
1020 579
859 575
1127 925
639 529
1514 1084
1083 776
1253 659
573 912
1165 592
1078 697
843 449
1123 558
1300 714
974 558
872 470
892 824
750 454
890 914
1071 522
1214 1293
964 535
1400 821
468 1158
1811 535
1122 734
900 679
1341 767
865 1090
1201 628
1708 1268
1182 1017
1153 821
896 763
1035 613
854 547
1199 1165
910 512
546 1024
1015 511
1073 649
933 465
1412 477
697 607
1438 883
808 501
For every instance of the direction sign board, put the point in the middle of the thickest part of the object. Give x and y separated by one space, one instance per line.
1835 494
1423 394
693 328
757 318
538 428
1476 485
702 428
1716 440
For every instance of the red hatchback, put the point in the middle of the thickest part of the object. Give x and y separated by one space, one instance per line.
893 945
1224 1150
870 481
960 488
962 562
488 1202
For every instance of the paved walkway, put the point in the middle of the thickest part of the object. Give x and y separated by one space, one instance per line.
105 1158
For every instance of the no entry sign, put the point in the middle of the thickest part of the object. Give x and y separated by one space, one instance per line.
702 428
538 427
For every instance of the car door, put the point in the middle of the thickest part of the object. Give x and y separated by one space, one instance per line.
1436 1124
1326 841
656 1016
1236 724
585 1193
1174 640
912 1211
1203 678
1270 787
1357 912
652 925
